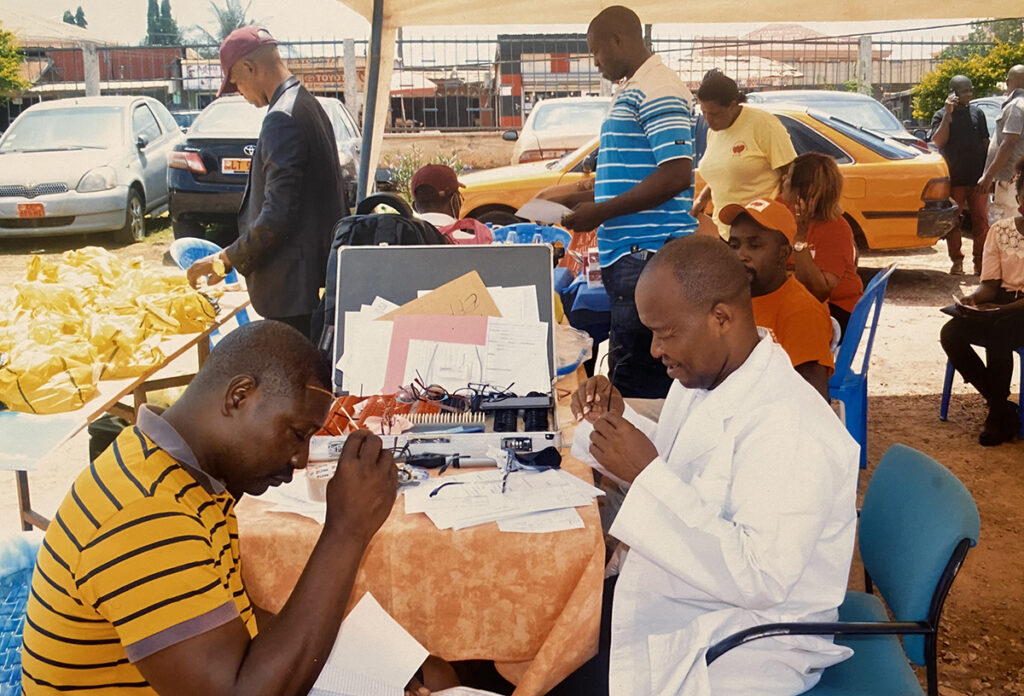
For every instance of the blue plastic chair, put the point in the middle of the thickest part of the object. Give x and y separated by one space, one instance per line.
916 526
849 385
185 252
17 560
947 388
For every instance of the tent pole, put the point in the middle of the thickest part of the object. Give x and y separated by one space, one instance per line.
370 100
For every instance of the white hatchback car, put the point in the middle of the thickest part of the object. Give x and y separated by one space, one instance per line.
557 126
92 164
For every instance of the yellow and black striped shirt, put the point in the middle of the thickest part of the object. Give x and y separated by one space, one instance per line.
141 554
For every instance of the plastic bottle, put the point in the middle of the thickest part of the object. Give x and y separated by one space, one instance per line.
512 237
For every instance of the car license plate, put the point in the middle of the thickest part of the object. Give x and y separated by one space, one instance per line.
235 165
31 210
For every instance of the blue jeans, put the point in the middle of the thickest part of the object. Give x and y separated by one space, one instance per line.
630 366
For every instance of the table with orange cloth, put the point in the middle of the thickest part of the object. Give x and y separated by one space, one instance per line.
530 602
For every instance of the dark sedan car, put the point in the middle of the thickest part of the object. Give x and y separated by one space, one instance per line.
207 173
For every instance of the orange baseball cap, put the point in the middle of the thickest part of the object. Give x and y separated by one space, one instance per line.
769 214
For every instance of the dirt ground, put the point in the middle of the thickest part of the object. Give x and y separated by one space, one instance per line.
982 636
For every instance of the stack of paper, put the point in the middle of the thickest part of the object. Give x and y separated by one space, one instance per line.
372 655
467 500
457 334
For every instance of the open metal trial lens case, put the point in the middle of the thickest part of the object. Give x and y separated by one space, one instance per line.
397 273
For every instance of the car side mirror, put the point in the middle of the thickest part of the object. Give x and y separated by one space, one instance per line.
590 163
510 136
141 142
920 133
384 179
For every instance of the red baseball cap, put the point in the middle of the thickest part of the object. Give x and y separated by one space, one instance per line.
240 43
439 176
771 215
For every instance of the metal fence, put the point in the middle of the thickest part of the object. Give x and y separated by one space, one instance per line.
485 83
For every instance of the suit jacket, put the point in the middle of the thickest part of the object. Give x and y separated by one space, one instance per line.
294 196
747 516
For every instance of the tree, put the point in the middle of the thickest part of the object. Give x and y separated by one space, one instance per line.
228 18
985 71
80 18
68 17
161 27
11 81
983 34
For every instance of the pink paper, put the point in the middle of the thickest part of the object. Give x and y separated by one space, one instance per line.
428 327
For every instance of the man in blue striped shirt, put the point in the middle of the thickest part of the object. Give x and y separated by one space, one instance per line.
643 190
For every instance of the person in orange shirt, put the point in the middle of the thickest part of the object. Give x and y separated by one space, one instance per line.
762 233
824 252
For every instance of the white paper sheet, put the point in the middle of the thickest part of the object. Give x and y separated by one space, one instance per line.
352 684
452 365
294 497
518 352
540 210
542 522
518 303
373 645
464 691
364 355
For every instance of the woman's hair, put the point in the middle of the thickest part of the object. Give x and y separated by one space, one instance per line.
717 87
1018 167
814 176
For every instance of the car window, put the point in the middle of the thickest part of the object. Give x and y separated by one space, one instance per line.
586 117
232 117
73 128
144 124
879 144
865 112
167 122
341 129
806 139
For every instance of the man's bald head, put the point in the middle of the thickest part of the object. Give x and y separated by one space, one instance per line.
707 270
1015 77
617 20
959 83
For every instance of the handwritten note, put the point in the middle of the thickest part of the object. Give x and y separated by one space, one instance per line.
465 296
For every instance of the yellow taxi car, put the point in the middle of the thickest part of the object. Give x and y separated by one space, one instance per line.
894 196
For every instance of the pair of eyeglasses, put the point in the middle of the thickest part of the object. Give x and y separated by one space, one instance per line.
435 394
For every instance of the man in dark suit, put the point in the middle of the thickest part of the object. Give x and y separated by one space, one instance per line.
295 193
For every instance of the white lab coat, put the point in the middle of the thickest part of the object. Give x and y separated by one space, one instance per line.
747 516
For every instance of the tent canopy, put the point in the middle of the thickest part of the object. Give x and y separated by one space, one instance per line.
385 16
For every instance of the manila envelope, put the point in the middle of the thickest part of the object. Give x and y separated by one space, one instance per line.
466 296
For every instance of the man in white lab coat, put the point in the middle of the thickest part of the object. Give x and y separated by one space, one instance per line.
741 501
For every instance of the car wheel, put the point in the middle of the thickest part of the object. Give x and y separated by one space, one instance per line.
134 229
188 228
498 217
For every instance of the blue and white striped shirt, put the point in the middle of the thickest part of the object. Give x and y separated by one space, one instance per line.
650 123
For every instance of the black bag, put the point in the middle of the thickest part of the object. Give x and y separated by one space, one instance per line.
365 230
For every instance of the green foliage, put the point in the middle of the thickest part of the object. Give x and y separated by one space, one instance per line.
404 165
80 18
161 27
227 18
985 71
982 35
11 81
68 17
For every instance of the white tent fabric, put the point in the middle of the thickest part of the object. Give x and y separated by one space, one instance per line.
391 14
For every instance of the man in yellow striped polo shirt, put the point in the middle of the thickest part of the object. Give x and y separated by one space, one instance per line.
138 589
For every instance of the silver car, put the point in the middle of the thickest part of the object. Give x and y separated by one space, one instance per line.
92 164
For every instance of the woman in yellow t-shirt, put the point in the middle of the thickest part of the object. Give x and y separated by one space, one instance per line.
747 153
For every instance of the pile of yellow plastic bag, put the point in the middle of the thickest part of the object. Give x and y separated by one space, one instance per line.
87 317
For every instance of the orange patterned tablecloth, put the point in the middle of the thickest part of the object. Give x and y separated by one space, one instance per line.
530 602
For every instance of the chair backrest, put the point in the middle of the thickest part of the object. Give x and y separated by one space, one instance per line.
865 315
17 560
915 514
187 250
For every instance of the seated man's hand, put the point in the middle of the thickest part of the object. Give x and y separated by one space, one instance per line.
362 492
206 267
620 447
595 397
436 674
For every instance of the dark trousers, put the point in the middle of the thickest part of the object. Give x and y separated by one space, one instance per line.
630 366
300 322
999 338
592 678
978 204
840 315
